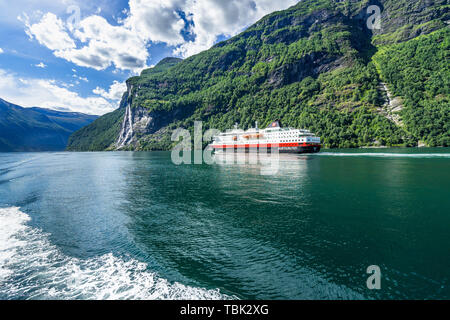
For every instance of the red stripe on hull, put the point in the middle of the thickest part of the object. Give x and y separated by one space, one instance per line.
279 145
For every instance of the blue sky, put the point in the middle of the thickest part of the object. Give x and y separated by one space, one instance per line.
76 55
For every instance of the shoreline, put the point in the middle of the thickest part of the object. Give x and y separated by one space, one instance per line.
323 149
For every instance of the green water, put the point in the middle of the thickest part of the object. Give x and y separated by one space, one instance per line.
134 225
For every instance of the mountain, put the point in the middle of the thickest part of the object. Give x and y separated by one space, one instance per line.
36 129
316 65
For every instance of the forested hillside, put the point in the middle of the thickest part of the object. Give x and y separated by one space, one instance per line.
419 72
315 66
37 129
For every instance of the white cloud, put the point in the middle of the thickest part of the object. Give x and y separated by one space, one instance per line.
98 44
157 20
40 65
104 45
101 44
116 91
81 78
213 18
31 92
1 51
50 31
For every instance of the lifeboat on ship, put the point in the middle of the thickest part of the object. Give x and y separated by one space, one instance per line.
274 138
253 136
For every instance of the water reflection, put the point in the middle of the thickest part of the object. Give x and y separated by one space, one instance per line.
309 230
229 226
263 164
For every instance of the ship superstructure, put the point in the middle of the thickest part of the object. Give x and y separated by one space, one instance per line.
267 140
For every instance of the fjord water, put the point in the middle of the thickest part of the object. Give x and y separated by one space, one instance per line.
136 226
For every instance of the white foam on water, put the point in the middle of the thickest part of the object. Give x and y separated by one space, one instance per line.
389 155
31 267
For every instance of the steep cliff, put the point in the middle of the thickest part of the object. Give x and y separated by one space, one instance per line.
316 65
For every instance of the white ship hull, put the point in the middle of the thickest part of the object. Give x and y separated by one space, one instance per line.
272 139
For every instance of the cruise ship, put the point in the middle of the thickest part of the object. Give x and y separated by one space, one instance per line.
274 137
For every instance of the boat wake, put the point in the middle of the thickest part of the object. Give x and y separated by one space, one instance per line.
31 267
386 155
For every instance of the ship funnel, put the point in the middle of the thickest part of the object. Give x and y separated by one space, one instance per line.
275 124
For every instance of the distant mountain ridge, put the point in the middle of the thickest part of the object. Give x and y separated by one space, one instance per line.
37 129
316 65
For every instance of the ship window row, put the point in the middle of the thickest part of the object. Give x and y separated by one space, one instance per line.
287 135
283 141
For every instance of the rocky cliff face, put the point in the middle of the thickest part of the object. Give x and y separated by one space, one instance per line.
127 128
310 65
315 65
139 121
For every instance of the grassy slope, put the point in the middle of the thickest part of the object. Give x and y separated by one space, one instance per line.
99 135
312 67
419 72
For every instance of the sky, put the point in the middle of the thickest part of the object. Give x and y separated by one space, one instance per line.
74 55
